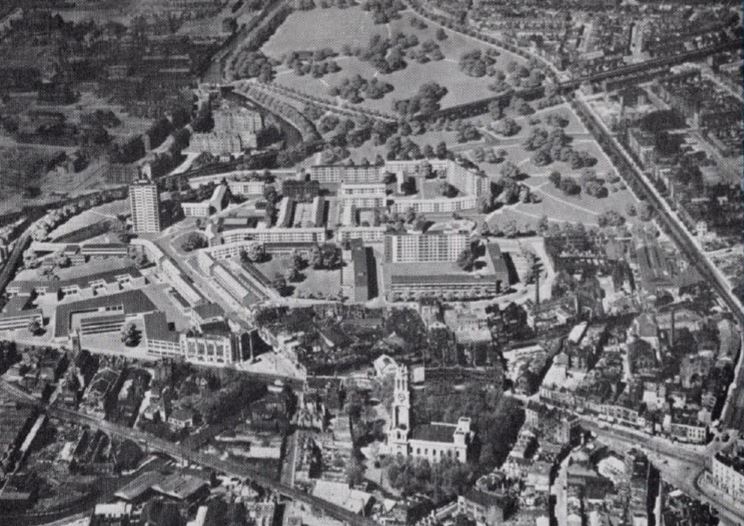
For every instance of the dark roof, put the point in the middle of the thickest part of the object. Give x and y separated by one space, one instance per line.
131 301
139 485
99 246
434 432
497 258
440 278
156 328
209 310
16 304
483 498
361 271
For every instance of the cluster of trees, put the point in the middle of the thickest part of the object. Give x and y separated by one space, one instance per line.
466 132
506 126
398 147
334 154
104 118
318 64
441 481
425 101
554 146
477 63
383 11
610 218
355 89
341 4
130 335
521 106
317 69
388 54
255 64
272 197
548 146
524 76
418 23
254 253
194 241
557 120
567 185
466 259
428 50
325 256
489 155
495 418
593 185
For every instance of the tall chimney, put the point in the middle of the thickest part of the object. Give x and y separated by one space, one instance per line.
671 336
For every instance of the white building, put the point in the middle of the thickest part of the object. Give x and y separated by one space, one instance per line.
144 204
362 195
435 441
207 207
418 247
727 474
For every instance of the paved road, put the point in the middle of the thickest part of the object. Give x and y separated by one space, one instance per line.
677 464
154 444
734 411
15 256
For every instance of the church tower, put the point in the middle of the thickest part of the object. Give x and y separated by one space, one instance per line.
400 424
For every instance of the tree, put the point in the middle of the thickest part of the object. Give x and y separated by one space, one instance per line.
543 224
34 327
466 259
355 471
630 210
555 178
140 260
254 253
441 150
441 34
494 110
280 285
569 186
645 211
194 241
510 228
130 335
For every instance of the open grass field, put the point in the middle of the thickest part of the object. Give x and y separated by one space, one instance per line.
333 27
556 205
321 28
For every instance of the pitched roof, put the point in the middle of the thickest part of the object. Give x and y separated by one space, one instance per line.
434 432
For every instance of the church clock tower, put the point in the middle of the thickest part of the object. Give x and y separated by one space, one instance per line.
397 435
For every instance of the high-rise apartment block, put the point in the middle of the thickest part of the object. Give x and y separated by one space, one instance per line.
144 203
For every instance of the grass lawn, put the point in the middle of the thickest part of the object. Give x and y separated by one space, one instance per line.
83 219
316 282
555 204
321 28
333 27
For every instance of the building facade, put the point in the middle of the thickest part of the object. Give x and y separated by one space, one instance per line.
435 441
144 204
418 247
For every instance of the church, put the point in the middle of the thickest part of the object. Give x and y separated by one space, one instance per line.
434 441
